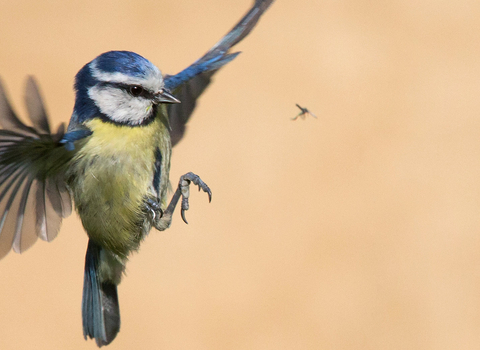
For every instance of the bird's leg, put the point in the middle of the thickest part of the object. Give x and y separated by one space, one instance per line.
163 221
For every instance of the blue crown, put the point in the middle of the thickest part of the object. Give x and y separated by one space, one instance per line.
126 62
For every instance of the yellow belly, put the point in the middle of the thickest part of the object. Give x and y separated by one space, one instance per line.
111 175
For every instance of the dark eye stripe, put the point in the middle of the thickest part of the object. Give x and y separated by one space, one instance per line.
128 88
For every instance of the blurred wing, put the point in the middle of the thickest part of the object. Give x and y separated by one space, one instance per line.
190 83
33 194
36 110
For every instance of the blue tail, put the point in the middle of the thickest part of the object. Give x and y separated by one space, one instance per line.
100 310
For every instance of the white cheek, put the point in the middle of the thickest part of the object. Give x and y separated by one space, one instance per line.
119 105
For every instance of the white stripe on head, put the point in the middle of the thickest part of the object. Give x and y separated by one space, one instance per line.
152 81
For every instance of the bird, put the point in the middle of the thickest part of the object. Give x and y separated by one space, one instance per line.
111 164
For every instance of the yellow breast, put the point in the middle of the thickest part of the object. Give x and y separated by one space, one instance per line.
112 175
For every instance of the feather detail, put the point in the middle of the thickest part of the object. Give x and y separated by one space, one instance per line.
33 195
191 82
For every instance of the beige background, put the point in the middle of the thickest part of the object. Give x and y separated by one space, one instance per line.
358 230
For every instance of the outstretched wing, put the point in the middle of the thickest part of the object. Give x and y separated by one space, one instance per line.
190 83
33 194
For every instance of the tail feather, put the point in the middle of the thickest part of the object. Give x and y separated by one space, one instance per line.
100 309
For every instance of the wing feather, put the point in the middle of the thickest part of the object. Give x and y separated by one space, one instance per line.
8 118
33 195
35 107
190 83
25 234
8 222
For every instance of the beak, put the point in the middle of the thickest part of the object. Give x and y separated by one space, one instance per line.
163 96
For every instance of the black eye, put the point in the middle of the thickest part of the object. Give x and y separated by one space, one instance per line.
136 90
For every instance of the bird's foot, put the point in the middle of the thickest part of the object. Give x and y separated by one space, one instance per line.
153 208
184 186
183 190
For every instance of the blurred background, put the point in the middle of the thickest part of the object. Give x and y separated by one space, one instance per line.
356 230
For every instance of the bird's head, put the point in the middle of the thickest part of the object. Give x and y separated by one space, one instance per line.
121 87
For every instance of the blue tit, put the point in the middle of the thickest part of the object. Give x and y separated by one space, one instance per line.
113 161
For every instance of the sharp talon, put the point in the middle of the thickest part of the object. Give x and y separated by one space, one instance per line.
183 216
154 209
183 187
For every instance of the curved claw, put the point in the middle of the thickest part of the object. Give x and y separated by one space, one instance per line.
182 212
203 186
183 186
154 209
